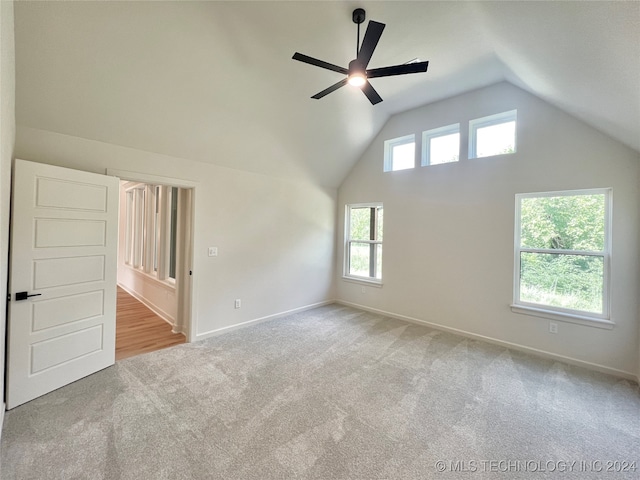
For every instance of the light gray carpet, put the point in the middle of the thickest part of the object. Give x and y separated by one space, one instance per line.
332 393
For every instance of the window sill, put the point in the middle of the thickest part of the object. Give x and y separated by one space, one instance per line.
563 317
363 281
166 284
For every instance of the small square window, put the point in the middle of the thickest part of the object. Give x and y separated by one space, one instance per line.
493 135
441 145
399 153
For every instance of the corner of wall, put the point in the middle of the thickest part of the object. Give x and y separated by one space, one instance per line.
7 145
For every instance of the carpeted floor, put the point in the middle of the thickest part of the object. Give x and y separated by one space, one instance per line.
332 393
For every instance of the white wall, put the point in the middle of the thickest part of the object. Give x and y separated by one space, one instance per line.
7 140
157 295
449 229
275 238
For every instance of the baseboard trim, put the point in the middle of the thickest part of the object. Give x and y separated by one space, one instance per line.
158 311
515 346
230 328
3 407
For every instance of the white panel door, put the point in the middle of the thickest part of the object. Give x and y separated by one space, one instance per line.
64 236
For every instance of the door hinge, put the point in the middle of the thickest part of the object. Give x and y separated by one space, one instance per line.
8 297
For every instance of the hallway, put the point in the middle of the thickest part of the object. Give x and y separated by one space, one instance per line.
139 330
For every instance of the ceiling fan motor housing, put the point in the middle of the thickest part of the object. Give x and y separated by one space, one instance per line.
358 15
356 67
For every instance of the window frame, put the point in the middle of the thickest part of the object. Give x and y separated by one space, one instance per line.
429 135
151 225
601 320
489 121
390 144
370 280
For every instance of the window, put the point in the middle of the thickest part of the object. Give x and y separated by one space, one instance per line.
399 153
441 145
363 249
562 252
151 230
493 135
135 218
173 230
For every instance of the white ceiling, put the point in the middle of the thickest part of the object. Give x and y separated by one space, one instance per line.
214 81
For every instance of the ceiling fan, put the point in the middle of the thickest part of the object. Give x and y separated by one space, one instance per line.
357 73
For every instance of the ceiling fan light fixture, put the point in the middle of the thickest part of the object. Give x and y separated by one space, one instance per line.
357 79
357 74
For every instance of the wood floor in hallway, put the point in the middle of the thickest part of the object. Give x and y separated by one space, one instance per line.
139 330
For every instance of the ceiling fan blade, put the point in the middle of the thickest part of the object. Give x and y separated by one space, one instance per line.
332 88
319 63
369 42
398 70
371 93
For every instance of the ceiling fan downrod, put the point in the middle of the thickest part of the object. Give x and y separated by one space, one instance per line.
358 17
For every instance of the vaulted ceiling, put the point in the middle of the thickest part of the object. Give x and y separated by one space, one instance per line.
214 81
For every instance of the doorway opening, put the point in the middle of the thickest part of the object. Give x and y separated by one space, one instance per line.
154 266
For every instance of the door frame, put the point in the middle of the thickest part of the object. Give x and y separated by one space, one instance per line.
186 293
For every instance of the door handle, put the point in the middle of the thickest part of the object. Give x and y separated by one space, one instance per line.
25 295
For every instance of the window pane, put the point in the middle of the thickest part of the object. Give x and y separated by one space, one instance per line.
380 224
129 229
360 224
156 230
173 233
496 139
359 255
379 262
575 222
403 156
444 149
568 281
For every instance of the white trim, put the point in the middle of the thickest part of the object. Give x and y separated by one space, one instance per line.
248 323
166 284
362 280
515 346
3 407
346 263
488 121
154 308
600 320
429 135
150 179
187 292
396 142
563 317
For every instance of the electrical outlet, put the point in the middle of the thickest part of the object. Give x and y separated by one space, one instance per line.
213 251
238 303
364 290
553 327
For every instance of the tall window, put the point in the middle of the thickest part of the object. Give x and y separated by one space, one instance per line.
400 153
363 249
135 238
151 230
493 135
173 230
562 251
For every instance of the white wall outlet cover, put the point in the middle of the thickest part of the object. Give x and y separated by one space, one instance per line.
213 251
